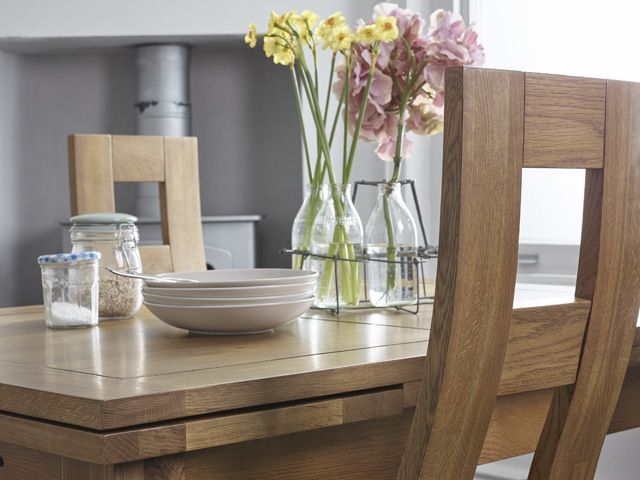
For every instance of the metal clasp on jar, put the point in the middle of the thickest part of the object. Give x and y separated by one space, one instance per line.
128 245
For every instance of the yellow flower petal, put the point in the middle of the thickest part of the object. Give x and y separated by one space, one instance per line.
341 39
386 29
276 47
311 18
251 38
327 26
367 34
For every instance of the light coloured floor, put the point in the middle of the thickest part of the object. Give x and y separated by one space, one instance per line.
619 461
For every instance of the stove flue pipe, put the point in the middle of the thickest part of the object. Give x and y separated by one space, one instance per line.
163 105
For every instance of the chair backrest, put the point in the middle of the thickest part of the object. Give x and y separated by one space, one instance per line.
97 161
496 124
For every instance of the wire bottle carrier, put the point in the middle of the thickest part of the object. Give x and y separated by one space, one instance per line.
423 254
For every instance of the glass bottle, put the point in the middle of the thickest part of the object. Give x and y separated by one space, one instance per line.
115 236
337 232
314 197
391 245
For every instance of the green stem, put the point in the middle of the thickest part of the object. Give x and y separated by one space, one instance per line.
340 231
301 120
319 166
397 159
391 247
328 98
363 106
335 120
345 139
313 207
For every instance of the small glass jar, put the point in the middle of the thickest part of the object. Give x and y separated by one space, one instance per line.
115 236
70 289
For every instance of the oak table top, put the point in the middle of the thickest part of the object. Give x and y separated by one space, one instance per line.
139 371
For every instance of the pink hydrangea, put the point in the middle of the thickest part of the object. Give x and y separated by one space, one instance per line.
447 42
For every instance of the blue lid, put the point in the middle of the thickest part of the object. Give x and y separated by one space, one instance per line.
67 258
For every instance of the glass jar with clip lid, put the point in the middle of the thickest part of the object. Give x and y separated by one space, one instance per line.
115 236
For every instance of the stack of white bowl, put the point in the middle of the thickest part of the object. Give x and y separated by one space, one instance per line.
227 302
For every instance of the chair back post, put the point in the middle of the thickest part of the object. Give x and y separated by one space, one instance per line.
478 252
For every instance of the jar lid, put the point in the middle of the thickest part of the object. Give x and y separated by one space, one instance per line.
103 219
67 258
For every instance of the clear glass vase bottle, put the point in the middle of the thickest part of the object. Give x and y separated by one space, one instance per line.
314 197
337 232
391 244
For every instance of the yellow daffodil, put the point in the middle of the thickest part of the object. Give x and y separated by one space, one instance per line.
386 29
278 23
251 38
303 24
310 18
326 26
367 34
279 50
341 39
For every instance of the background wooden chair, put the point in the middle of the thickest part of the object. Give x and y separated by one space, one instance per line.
496 124
97 161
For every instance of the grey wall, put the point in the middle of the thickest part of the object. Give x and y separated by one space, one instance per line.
44 99
249 145
9 260
250 148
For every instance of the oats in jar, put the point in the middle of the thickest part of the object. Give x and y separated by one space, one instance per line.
119 297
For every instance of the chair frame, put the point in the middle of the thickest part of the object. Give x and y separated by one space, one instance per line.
496 123
97 161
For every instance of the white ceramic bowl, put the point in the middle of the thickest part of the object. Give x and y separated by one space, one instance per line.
231 320
237 278
193 301
234 292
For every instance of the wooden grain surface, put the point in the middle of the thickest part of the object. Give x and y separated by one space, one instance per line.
180 204
90 174
579 420
564 121
137 158
126 445
351 449
97 161
477 263
140 371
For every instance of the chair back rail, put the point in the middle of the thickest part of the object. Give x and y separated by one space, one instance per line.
496 124
97 161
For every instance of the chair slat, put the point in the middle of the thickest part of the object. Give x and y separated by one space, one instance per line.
137 158
156 258
564 121
544 346
515 426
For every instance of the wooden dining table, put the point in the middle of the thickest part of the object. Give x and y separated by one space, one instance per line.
323 397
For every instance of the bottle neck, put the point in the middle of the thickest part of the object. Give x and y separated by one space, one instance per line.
393 189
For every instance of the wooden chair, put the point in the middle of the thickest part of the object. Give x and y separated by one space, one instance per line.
97 161
496 124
